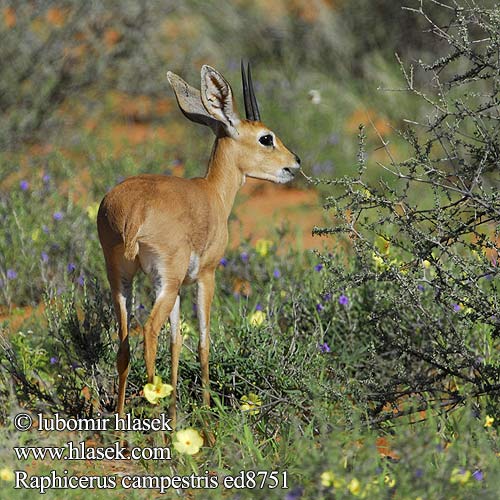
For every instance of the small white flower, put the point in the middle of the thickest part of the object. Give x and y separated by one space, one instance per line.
314 96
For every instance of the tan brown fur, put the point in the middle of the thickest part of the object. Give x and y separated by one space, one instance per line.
175 229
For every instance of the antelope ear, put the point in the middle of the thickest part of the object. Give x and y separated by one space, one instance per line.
217 98
189 101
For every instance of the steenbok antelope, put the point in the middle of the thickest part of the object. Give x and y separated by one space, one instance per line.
175 229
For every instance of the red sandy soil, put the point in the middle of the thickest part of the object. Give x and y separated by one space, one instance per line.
261 207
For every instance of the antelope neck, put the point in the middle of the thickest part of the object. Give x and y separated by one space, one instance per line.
223 175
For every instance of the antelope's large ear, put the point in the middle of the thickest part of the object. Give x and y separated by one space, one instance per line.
190 103
217 97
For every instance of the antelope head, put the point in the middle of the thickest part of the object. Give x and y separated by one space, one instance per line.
255 149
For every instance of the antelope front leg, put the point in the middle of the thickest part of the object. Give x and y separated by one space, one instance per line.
175 351
206 286
162 308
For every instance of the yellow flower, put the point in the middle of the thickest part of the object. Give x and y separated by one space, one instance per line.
250 403
92 211
257 318
460 476
157 390
488 422
35 234
328 479
466 310
403 269
188 441
382 245
379 262
6 474
426 264
262 247
354 487
389 481
186 329
477 255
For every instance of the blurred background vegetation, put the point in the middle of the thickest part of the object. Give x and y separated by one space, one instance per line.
394 323
78 71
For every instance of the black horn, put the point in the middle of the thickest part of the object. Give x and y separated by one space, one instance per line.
251 106
246 95
255 106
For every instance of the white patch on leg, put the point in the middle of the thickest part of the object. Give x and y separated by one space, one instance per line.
175 318
201 315
122 300
194 266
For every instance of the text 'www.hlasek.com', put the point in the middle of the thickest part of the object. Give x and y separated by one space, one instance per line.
71 451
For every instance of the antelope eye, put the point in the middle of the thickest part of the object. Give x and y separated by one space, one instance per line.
266 140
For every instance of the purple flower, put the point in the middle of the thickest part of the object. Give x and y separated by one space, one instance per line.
11 274
244 256
24 185
45 257
81 280
343 300
456 307
324 347
75 365
259 307
478 475
318 267
319 307
478 361
45 229
419 472
295 494
71 267
420 288
141 307
327 297
322 168
46 178
223 262
334 139
58 215
277 273
54 360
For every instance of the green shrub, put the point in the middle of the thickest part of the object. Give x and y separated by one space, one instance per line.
422 280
